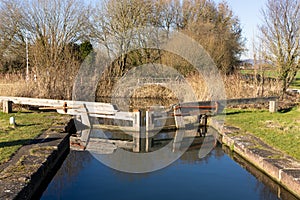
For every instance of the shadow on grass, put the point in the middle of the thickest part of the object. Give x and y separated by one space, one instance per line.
27 125
286 110
236 112
21 112
24 142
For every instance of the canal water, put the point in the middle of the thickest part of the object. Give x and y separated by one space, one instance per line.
219 175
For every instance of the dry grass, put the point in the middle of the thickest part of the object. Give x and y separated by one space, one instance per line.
238 87
11 84
235 86
154 92
16 85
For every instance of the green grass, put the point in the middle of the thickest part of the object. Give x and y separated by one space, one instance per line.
29 126
267 73
280 130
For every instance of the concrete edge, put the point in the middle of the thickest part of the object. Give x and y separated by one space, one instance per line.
38 178
278 166
26 174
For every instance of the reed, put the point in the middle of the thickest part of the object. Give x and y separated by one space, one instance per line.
236 86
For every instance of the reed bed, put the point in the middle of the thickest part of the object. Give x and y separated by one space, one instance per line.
236 86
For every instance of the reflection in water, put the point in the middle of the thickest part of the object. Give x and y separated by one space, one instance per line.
215 176
156 152
268 184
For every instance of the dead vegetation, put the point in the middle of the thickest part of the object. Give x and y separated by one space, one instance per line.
235 86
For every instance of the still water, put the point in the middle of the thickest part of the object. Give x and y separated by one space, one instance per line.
217 176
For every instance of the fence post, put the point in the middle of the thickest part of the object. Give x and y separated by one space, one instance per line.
7 106
86 122
149 127
273 106
137 131
149 121
179 135
178 117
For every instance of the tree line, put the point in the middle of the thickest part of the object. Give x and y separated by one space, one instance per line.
59 34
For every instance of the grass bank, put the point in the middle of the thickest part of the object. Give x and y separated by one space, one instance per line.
29 126
280 130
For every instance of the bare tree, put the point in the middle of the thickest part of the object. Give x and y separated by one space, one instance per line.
213 26
12 44
116 28
280 37
51 27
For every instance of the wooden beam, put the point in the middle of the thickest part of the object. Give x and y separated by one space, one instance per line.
58 103
217 106
7 106
250 100
273 106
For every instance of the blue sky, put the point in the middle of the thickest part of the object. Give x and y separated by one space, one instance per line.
249 13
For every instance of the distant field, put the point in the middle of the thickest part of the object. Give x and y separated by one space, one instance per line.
268 73
296 83
272 74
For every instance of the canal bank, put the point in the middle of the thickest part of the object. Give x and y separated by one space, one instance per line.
31 167
33 164
282 168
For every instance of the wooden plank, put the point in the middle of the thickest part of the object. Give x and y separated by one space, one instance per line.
136 142
177 140
149 121
117 143
188 106
96 113
231 101
100 147
250 100
179 122
137 121
127 116
109 107
126 129
85 134
273 106
7 106
92 106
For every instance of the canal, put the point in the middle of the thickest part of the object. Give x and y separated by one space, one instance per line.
219 175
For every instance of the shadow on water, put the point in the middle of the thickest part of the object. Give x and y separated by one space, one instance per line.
269 187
